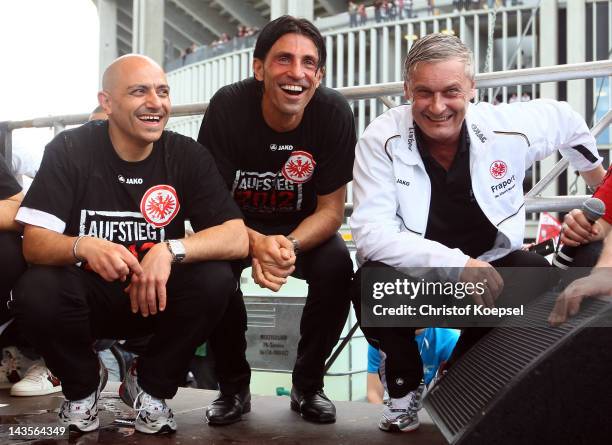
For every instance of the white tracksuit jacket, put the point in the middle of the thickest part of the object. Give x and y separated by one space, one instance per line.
392 191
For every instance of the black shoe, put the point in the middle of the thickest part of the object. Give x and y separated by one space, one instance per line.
229 408
313 406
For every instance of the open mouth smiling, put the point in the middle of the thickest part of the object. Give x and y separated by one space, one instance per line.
293 90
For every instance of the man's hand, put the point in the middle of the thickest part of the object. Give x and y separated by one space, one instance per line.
578 230
273 261
599 283
148 290
477 271
109 260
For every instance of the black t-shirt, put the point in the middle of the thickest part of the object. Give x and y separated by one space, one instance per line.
275 177
84 188
8 184
455 218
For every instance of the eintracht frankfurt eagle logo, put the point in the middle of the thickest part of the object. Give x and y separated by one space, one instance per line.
299 167
159 205
498 169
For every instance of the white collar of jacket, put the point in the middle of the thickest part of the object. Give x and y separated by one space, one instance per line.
506 215
480 136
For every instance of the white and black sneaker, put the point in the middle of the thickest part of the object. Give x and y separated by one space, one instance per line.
154 416
400 415
82 415
420 393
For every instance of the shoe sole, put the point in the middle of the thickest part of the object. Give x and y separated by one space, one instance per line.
245 410
89 428
295 406
40 392
166 429
396 429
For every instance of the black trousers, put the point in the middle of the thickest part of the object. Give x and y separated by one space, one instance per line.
328 270
403 366
61 310
12 265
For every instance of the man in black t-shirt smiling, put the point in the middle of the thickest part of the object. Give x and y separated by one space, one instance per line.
285 147
113 197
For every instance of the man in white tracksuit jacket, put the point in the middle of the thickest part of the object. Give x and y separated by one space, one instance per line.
438 183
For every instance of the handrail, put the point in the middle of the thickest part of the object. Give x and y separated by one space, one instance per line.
556 73
533 202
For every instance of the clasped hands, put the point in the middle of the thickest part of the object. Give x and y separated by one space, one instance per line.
273 260
148 278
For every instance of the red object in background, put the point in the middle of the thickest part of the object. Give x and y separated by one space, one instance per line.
548 227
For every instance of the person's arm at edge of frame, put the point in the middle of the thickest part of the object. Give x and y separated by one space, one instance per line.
375 390
8 210
598 283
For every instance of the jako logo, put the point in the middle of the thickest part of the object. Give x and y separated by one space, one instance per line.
275 147
403 182
479 134
124 180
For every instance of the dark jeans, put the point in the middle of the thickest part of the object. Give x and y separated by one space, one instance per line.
61 310
328 270
403 366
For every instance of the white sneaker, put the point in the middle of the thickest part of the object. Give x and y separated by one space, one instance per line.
419 396
13 366
154 416
82 415
400 415
37 381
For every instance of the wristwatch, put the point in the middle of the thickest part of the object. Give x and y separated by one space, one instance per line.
177 249
296 244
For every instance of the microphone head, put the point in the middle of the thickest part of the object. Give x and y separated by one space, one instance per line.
593 209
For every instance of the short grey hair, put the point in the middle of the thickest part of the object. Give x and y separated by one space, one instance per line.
438 48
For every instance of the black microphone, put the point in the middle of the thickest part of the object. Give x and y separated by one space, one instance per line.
593 209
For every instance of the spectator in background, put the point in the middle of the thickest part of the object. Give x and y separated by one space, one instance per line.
431 7
352 12
363 14
409 9
378 5
399 4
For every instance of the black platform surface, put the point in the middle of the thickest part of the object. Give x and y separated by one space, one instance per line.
270 422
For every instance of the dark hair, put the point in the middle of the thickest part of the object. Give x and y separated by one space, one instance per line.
287 24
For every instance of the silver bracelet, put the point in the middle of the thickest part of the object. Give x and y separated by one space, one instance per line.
74 249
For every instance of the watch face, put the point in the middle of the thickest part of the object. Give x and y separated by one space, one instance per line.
178 250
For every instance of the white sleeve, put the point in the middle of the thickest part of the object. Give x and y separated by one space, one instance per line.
378 231
556 126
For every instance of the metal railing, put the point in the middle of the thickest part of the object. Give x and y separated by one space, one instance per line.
534 203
